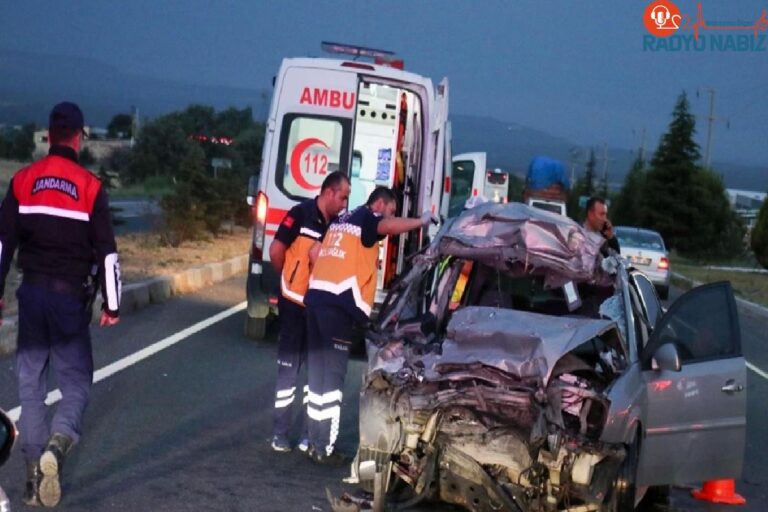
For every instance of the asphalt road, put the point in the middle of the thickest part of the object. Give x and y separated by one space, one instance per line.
188 427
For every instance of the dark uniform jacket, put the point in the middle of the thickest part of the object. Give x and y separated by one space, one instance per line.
57 213
301 227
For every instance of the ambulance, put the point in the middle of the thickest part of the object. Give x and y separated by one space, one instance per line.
379 124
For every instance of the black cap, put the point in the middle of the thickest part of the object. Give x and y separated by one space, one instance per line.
66 115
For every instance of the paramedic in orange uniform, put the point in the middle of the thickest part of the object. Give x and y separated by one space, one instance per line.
303 226
341 294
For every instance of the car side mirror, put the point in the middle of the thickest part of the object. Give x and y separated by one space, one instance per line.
253 188
666 357
7 436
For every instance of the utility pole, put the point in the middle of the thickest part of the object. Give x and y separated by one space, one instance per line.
710 119
642 143
605 160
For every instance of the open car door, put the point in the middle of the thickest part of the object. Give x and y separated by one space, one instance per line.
696 417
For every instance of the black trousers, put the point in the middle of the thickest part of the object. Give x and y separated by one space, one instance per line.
291 355
329 336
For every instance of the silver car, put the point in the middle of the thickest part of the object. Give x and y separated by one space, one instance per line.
646 251
514 368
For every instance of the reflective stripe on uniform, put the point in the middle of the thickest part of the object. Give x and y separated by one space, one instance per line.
327 398
310 232
56 212
287 293
338 288
281 404
284 393
323 414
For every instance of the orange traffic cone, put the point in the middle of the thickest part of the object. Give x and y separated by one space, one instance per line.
719 491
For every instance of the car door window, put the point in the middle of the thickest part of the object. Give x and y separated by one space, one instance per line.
650 300
702 324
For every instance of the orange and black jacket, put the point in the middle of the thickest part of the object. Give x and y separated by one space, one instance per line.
57 214
346 268
301 227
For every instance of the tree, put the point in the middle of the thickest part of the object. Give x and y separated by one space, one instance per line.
86 157
163 149
22 143
668 204
759 236
627 208
685 203
249 144
120 127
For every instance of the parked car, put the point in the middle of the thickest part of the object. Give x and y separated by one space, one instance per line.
646 251
514 368
7 437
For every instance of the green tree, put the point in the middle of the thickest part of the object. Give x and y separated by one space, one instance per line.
120 127
86 157
759 236
685 203
22 143
669 205
627 208
163 149
249 144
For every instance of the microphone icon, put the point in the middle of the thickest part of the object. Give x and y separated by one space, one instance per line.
660 15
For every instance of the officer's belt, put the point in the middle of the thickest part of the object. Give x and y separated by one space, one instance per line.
56 284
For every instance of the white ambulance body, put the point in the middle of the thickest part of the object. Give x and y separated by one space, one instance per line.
381 125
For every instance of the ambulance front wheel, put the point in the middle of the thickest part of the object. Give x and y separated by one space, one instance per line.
255 328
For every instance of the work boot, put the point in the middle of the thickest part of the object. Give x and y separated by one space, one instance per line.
321 458
281 444
30 497
51 463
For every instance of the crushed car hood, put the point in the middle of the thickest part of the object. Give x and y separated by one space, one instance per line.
542 241
526 345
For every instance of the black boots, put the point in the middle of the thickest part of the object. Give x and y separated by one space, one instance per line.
30 497
51 463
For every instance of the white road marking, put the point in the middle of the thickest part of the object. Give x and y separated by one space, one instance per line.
111 369
757 370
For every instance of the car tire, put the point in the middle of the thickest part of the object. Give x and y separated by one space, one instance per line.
663 292
624 488
255 328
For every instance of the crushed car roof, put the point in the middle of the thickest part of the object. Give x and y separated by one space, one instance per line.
541 242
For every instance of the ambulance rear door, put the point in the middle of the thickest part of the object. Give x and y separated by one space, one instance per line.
313 126
441 144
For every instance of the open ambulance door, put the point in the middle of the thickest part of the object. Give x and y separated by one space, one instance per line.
441 136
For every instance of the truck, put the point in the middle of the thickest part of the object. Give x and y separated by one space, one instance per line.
546 185
380 124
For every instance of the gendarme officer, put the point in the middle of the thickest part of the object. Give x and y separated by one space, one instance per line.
57 213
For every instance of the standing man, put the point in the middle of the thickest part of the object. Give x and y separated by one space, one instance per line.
303 226
597 222
57 213
341 294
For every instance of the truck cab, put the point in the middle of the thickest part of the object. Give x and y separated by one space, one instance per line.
379 124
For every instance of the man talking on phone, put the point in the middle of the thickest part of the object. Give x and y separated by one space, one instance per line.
597 222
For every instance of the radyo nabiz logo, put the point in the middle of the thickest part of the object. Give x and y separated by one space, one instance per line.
671 30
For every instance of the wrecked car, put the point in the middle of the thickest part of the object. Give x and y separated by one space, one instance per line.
517 367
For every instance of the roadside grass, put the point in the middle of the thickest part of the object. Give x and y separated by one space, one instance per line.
153 188
750 286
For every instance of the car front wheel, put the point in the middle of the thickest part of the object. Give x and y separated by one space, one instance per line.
624 488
